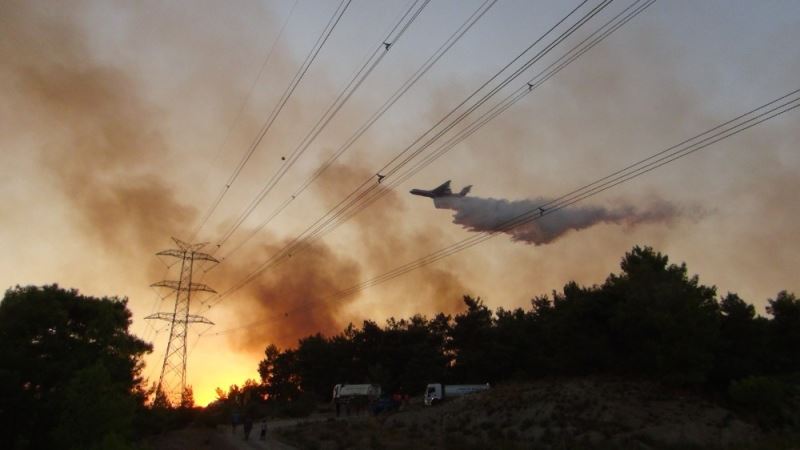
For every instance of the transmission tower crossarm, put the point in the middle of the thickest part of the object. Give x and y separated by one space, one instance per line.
204 257
169 317
171 252
178 286
175 253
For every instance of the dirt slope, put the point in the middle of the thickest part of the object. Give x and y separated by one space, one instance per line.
583 413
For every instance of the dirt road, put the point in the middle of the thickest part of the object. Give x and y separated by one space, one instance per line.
236 440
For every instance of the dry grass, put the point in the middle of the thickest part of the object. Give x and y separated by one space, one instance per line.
564 414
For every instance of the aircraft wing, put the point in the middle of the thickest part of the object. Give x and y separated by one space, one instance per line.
442 190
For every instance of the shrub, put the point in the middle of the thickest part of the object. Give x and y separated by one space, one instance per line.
771 400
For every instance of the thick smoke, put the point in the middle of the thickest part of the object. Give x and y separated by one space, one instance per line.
495 215
297 296
291 299
106 149
101 139
389 241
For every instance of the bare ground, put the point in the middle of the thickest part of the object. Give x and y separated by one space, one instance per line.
194 438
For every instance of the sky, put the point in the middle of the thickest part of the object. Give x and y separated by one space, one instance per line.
120 122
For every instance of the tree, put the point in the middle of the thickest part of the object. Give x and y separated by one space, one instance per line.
577 329
784 332
221 395
472 344
742 341
95 408
665 324
187 398
278 371
60 352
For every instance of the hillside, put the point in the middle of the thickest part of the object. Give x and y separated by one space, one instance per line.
576 413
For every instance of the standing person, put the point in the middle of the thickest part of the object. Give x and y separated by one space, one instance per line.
335 399
263 435
234 420
248 426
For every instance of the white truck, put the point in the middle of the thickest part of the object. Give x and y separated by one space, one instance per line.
436 392
356 390
355 398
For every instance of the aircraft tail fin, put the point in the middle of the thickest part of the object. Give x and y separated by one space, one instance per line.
465 191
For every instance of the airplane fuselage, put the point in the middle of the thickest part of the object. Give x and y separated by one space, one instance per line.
442 196
423 193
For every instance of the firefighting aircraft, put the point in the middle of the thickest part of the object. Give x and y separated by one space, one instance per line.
442 196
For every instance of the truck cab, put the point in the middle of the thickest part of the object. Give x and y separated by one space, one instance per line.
433 394
436 392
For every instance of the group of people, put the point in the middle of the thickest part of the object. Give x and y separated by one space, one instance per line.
247 425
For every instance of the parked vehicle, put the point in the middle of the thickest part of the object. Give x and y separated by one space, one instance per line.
356 390
436 392
355 398
385 404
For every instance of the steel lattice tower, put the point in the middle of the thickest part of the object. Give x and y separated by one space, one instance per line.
172 381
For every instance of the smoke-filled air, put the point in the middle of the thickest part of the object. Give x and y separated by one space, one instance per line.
295 146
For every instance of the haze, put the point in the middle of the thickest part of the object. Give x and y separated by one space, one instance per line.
121 121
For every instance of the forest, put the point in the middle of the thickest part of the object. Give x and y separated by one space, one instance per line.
652 321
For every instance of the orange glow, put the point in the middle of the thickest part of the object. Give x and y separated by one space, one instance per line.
217 366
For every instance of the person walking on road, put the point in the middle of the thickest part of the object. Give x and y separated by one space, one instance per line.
263 435
234 420
248 426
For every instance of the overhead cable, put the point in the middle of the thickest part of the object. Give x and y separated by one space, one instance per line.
422 70
287 93
356 195
732 127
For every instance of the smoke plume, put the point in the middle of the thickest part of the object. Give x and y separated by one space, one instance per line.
495 215
388 241
101 140
291 299
106 149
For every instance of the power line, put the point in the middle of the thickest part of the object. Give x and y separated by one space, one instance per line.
687 147
756 116
352 200
244 103
422 70
575 52
377 55
321 40
349 201
352 203
303 242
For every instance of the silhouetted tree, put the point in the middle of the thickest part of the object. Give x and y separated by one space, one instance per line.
743 347
317 365
284 382
187 398
784 332
664 324
578 327
94 409
66 360
472 344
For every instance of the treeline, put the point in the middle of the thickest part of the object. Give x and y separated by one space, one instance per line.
651 320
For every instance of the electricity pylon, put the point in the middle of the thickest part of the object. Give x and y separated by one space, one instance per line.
172 381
